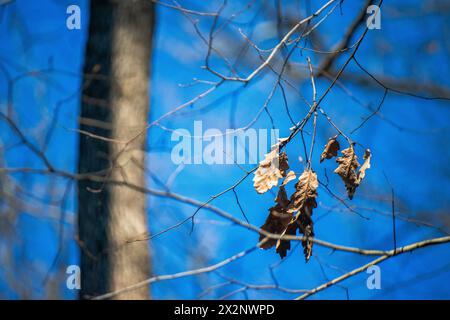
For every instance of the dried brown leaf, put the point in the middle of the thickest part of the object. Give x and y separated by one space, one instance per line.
305 192
365 166
331 149
283 246
278 218
347 169
302 201
306 228
270 170
348 163
289 177
283 164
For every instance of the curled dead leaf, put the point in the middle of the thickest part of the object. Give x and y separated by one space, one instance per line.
303 201
283 164
305 224
365 166
278 218
283 246
305 193
289 177
281 220
331 149
270 170
348 163
347 169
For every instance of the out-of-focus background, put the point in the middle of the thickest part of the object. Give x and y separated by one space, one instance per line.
41 66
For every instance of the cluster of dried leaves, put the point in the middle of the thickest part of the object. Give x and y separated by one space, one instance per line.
293 213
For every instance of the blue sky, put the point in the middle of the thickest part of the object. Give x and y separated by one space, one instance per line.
409 142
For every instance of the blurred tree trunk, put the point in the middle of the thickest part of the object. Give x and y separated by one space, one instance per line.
114 105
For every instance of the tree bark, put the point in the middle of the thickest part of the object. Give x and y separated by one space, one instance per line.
115 105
